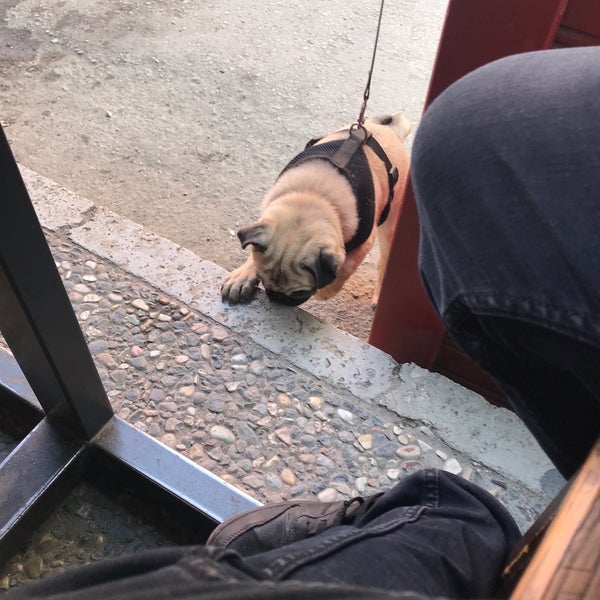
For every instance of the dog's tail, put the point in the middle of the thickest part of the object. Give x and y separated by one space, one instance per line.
398 122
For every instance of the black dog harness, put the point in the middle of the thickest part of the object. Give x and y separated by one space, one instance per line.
349 157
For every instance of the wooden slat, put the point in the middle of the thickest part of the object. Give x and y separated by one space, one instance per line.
567 563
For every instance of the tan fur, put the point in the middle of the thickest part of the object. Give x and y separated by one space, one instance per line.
310 212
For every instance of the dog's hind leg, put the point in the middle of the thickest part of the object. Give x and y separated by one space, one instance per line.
385 234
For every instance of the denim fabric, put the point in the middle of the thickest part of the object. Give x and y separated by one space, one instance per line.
506 172
432 534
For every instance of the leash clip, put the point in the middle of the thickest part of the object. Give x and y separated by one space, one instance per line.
358 126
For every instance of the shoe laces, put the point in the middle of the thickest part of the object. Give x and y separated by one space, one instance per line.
353 513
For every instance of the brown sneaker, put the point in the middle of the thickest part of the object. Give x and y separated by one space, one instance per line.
261 529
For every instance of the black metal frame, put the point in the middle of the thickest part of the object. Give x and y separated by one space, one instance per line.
76 425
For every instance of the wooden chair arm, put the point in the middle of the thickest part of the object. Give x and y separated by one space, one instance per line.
566 563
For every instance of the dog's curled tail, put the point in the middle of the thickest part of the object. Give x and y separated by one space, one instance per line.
398 122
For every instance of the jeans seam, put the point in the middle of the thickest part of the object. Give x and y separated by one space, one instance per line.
511 307
431 489
286 564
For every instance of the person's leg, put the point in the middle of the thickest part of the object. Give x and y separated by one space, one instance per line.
158 573
506 173
433 533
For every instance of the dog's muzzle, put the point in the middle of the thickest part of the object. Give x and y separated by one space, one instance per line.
295 299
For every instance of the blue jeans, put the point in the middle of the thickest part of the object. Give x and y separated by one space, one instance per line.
426 534
433 533
506 170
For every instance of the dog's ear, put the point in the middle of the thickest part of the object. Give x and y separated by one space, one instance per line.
258 235
325 269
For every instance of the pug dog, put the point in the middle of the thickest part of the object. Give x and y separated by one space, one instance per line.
322 215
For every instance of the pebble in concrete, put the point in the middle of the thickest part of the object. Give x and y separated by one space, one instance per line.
275 432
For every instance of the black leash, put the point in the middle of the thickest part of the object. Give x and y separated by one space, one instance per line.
343 153
361 116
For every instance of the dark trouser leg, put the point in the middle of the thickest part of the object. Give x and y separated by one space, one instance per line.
433 533
506 172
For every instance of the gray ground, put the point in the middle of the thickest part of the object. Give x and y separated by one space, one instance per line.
179 114
254 418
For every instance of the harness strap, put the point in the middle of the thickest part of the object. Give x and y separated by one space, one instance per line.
345 153
392 172
348 156
350 146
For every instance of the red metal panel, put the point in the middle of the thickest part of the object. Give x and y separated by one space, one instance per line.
475 33
405 324
568 38
584 16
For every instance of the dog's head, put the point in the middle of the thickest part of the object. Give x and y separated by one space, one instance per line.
294 255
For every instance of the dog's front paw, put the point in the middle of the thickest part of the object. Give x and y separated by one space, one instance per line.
240 285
